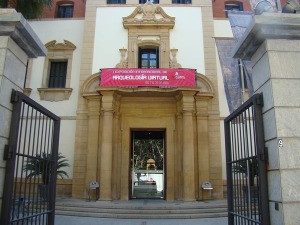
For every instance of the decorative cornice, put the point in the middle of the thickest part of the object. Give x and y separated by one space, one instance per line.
148 14
67 45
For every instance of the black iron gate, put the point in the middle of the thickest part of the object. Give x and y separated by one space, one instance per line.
31 162
246 159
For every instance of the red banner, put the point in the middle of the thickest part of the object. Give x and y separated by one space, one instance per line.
148 77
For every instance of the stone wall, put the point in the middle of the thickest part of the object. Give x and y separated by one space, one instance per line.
273 45
17 43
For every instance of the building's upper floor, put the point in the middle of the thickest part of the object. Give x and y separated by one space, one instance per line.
76 8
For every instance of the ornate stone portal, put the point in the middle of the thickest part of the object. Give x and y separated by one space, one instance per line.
181 112
188 116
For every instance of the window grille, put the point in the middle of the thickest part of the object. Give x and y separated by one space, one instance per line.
57 77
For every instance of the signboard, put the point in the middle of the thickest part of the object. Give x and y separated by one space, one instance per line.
147 77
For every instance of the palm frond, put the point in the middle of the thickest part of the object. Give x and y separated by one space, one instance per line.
40 165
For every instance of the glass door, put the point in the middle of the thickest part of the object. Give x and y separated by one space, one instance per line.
147 164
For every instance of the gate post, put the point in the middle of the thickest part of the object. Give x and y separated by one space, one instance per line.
18 42
272 42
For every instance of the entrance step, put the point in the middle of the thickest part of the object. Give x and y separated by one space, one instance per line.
142 209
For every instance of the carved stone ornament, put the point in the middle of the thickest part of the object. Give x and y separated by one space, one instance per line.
149 14
67 45
123 61
173 60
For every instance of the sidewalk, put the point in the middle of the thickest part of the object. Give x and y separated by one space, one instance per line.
72 220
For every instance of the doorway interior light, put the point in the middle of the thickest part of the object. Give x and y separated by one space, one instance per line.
291 6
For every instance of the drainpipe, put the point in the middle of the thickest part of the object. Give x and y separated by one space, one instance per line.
26 74
241 65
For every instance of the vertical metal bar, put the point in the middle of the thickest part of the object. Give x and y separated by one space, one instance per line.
25 141
245 146
52 192
10 164
262 166
229 173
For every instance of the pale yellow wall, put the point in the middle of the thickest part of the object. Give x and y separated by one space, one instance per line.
110 36
222 29
59 30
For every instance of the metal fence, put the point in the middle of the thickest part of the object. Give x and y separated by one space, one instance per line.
246 160
31 162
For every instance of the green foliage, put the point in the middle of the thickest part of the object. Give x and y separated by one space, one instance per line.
30 9
41 166
247 167
3 3
145 149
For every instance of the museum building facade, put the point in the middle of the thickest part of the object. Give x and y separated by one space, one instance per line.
140 97
128 134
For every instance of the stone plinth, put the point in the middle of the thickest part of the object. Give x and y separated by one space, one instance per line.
18 42
272 43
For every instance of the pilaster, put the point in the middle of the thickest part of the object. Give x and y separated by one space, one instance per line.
203 145
92 139
188 157
107 109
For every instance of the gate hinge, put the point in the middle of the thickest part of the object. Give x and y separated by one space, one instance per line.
259 100
14 98
8 153
264 156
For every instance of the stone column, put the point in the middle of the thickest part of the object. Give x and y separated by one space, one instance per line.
273 44
188 144
106 146
18 42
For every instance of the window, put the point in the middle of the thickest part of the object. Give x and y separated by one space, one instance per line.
58 74
181 1
57 71
233 6
153 1
65 10
148 58
116 1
